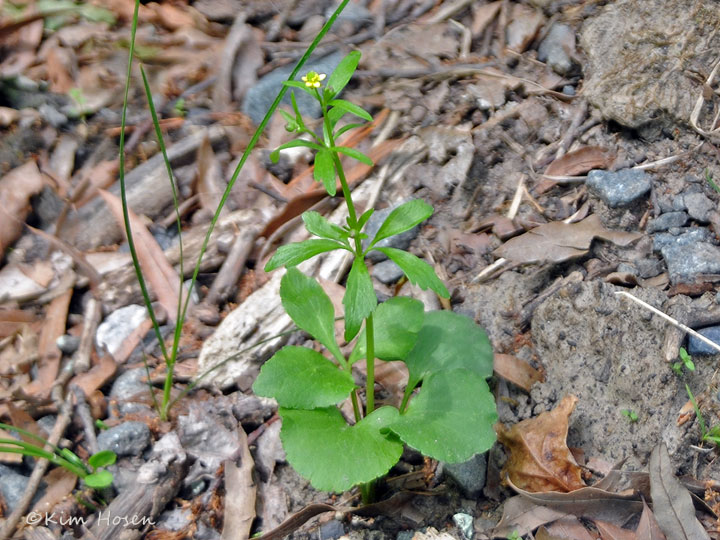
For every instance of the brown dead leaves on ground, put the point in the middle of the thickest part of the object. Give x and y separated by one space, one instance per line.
552 495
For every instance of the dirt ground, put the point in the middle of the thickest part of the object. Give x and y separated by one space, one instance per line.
568 148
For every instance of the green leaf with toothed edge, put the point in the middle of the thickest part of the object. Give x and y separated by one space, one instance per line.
417 271
293 254
359 299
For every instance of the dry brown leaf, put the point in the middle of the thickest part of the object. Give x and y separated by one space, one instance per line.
580 161
517 371
241 492
523 516
539 457
610 531
96 376
568 528
523 27
483 16
60 483
16 188
49 354
7 457
58 64
648 528
157 270
558 242
21 419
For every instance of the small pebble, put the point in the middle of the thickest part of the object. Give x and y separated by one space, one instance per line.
126 439
619 188
698 347
464 522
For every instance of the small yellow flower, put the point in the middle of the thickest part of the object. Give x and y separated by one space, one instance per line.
313 79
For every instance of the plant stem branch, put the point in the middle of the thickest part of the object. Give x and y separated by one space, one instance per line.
370 379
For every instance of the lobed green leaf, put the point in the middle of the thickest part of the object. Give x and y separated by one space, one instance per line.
402 219
343 73
451 418
449 341
324 170
300 378
359 299
334 456
293 254
397 323
417 271
310 308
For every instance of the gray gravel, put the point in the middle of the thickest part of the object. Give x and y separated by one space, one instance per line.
619 188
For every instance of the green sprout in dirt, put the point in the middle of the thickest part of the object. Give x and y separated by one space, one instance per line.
448 356
93 474
630 414
710 181
685 361
706 435
170 352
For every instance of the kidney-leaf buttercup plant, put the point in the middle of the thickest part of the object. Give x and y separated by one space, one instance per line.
447 411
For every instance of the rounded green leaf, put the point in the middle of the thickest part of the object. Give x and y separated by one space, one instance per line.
449 341
99 479
103 458
417 271
403 218
451 418
324 171
334 456
300 378
359 299
293 254
310 308
397 323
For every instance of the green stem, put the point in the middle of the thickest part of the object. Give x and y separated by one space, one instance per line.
368 492
370 379
356 406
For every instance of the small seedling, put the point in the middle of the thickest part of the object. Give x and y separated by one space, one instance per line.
447 355
179 107
709 180
93 474
630 414
710 435
514 536
685 360
101 425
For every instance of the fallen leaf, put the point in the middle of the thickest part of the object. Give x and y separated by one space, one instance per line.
539 457
568 527
96 376
155 266
610 531
59 484
523 516
524 26
483 16
16 188
648 528
517 371
240 492
558 242
672 503
580 161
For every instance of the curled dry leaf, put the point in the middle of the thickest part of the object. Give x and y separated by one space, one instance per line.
517 371
539 457
648 528
16 188
558 242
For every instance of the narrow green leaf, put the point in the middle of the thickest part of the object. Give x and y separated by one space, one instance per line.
103 458
364 218
310 308
291 124
359 299
343 73
294 144
334 456
417 271
397 323
324 170
300 378
299 85
403 218
99 479
319 226
346 128
449 341
451 418
293 254
355 154
351 108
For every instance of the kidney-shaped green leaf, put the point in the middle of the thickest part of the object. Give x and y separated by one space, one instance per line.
451 418
397 323
417 271
359 299
403 218
448 341
99 479
293 254
310 308
103 458
334 456
300 378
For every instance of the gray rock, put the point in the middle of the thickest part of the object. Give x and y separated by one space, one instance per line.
126 439
331 530
68 344
129 384
687 255
259 98
53 116
698 206
647 268
387 272
557 48
117 326
697 347
469 476
678 203
464 522
667 221
630 76
399 241
619 188
12 486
